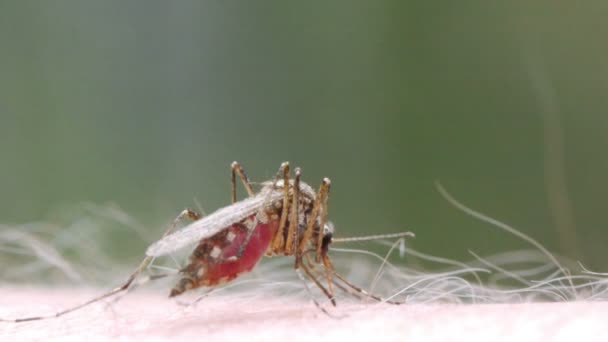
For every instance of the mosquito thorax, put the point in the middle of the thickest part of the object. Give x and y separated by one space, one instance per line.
305 189
306 198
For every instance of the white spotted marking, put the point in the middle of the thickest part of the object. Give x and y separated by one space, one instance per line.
215 252
230 237
200 272
250 223
262 217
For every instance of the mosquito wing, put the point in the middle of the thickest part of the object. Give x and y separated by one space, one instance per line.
213 223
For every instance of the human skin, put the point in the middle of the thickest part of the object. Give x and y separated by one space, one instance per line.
149 315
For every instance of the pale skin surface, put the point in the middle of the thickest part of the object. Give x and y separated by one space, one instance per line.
149 315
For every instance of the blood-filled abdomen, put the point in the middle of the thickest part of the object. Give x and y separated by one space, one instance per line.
216 259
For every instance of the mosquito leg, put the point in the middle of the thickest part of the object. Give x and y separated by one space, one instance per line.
327 266
319 285
323 222
203 296
359 295
124 287
191 214
360 290
365 293
243 246
279 238
309 260
237 169
321 250
292 231
330 283
303 243
308 233
338 285
196 300
349 291
312 297
137 284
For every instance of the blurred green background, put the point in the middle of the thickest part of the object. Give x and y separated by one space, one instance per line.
145 104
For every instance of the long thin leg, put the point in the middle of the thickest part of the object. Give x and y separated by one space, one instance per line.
237 169
279 239
124 287
351 289
292 231
311 265
326 266
321 254
303 243
323 201
358 289
328 270
244 244
312 297
360 295
323 190
137 284
317 273
197 299
319 285
365 293
330 290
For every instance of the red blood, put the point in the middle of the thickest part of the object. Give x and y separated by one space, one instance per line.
224 271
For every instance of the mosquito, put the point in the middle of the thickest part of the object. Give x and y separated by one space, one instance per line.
285 217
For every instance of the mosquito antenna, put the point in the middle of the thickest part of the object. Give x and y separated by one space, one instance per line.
374 237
